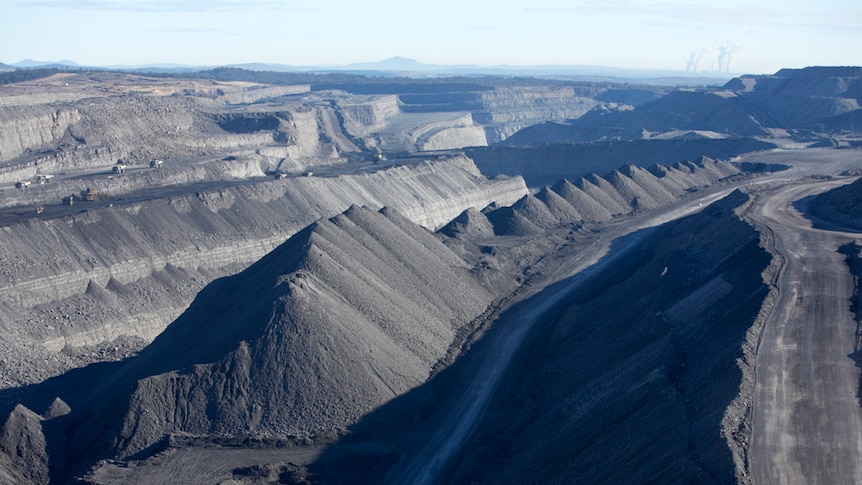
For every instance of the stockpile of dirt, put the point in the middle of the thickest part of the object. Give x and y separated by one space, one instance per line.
587 206
598 199
471 223
561 209
105 272
545 162
23 455
342 317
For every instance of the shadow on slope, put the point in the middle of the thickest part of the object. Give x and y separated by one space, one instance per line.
840 206
343 316
626 380
853 253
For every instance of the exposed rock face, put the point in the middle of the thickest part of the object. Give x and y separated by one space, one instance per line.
369 114
853 252
503 110
259 93
508 110
96 132
456 137
345 315
26 128
612 393
128 270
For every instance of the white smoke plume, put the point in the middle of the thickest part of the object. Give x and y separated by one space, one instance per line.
705 58
727 55
695 61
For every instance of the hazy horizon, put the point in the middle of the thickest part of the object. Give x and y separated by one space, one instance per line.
756 37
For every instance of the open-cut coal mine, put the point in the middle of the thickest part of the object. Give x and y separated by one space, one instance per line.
242 277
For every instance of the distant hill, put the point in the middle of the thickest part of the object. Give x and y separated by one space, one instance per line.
406 66
30 63
393 64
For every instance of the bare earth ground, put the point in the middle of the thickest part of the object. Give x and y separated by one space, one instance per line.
815 443
807 422
197 465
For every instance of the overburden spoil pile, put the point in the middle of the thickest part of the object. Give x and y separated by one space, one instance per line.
342 317
127 270
545 163
358 309
594 199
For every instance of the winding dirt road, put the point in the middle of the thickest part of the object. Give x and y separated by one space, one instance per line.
807 419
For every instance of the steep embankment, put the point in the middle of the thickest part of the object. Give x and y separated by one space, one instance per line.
33 127
606 392
853 251
547 163
130 269
138 119
501 110
62 137
507 110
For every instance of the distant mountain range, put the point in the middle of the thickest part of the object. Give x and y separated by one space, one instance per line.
402 66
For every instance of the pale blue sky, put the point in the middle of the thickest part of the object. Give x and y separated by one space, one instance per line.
752 36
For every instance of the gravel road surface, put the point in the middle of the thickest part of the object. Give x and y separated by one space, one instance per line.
807 421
